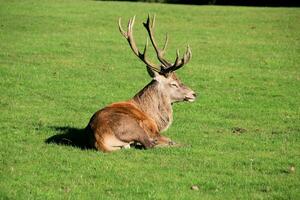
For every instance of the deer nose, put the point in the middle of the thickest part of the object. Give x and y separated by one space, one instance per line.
194 95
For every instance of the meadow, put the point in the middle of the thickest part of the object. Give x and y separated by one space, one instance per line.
60 61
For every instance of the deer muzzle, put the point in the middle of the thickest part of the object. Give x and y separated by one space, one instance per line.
191 97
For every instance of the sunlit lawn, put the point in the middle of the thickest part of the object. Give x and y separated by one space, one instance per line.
60 61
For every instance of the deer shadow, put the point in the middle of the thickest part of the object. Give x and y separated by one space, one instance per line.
69 136
75 137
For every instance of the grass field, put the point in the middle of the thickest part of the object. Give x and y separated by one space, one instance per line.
60 61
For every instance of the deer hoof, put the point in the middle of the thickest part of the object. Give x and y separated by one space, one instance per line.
127 146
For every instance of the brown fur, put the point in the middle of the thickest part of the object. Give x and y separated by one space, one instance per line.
120 124
153 102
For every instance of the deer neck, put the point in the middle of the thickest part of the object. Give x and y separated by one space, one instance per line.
154 103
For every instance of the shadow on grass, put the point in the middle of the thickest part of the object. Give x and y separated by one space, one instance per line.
70 136
75 137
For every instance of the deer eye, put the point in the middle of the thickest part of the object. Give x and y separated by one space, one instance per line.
174 85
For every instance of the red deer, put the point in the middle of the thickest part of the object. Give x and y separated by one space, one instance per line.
141 119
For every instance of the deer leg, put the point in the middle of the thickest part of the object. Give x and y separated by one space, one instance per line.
146 141
141 140
163 141
136 135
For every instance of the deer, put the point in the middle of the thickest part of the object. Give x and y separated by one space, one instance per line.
141 119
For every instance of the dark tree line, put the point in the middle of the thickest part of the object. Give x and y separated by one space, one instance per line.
241 2
291 3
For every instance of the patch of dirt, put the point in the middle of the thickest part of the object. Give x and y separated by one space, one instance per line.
238 130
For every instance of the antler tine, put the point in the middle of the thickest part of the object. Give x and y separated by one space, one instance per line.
177 58
180 62
163 51
130 24
189 54
153 20
186 58
166 43
129 37
145 48
149 25
121 29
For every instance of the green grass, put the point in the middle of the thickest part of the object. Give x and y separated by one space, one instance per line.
60 61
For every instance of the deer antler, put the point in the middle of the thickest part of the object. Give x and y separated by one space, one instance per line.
166 66
160 53
129 36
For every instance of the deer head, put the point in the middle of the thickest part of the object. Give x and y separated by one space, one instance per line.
163 73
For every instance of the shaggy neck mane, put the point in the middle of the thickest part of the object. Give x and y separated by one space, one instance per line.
152 101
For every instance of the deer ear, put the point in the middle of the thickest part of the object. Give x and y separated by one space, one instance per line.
151 72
